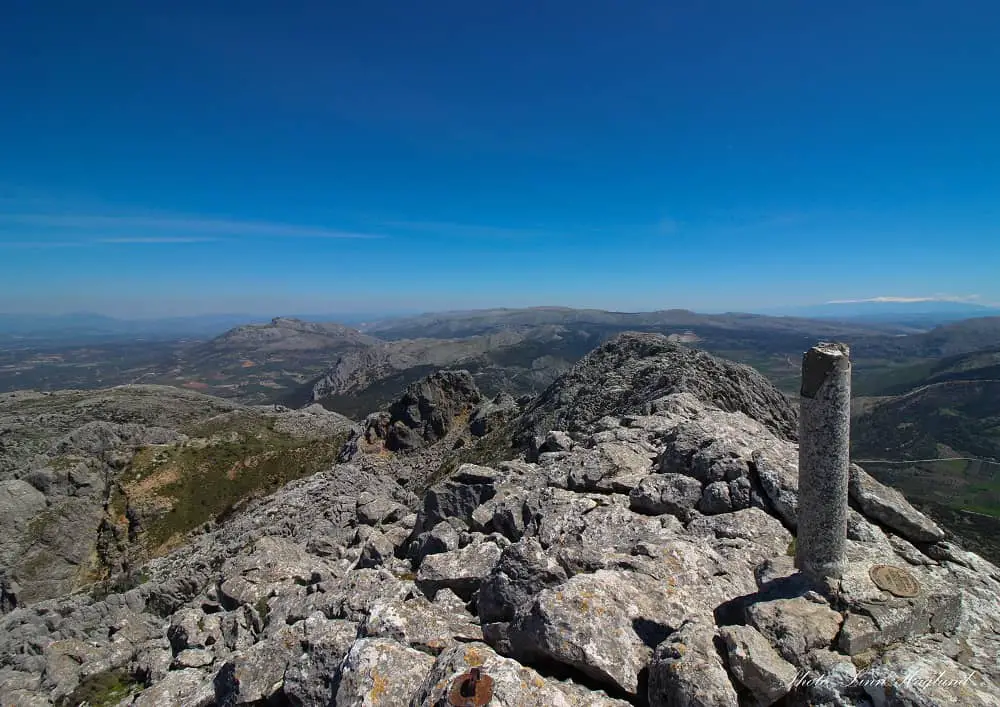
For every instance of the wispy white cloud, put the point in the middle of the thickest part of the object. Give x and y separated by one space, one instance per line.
933 298
193 227
469 230
155 239
32 245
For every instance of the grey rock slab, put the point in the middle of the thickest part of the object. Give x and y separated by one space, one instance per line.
461 570
888 506
795 626
907 676
19 503
457 497
514 685
556 441
675 494
687 671
712 446
506 513
756 665
885 618
352 597
777 470
380 510
192 628
179 687
828 678
420 624
443 537
256 673
378 672
378 550
193 658
624 460
604 624
524 569
716 498
63 661
311 679
274 564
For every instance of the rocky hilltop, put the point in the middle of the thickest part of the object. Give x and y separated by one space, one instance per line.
636 552
289 334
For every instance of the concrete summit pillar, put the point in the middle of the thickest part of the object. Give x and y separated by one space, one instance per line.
824 461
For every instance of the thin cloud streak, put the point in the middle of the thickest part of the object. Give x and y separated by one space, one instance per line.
468 230
156 239
189 225
39 245
935 298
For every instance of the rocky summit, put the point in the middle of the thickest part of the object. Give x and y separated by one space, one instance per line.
624 539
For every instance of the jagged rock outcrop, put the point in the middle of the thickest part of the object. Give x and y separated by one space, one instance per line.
629 372
424 414
490 415
545 574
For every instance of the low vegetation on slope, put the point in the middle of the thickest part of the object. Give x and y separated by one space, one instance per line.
977 365
173 489
953 419
93 482
962 494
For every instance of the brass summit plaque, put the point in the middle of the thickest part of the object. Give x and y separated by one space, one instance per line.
894 580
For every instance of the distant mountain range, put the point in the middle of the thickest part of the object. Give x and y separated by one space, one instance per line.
918 314
89 326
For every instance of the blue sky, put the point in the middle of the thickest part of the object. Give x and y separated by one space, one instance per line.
171 158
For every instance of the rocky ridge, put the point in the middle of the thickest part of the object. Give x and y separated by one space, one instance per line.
633 560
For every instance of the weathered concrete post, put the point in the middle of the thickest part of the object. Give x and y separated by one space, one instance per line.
824 460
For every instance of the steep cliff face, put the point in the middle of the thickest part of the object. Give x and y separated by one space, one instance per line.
640 558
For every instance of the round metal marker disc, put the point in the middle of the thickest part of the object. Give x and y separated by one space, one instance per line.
894 580
471 689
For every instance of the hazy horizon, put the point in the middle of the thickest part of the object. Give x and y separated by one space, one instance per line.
911 304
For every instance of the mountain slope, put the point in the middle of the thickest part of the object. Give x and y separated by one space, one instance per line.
642 563
955 418
976 365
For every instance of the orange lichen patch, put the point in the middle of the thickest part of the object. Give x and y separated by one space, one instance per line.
248 364
380 686
474 657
